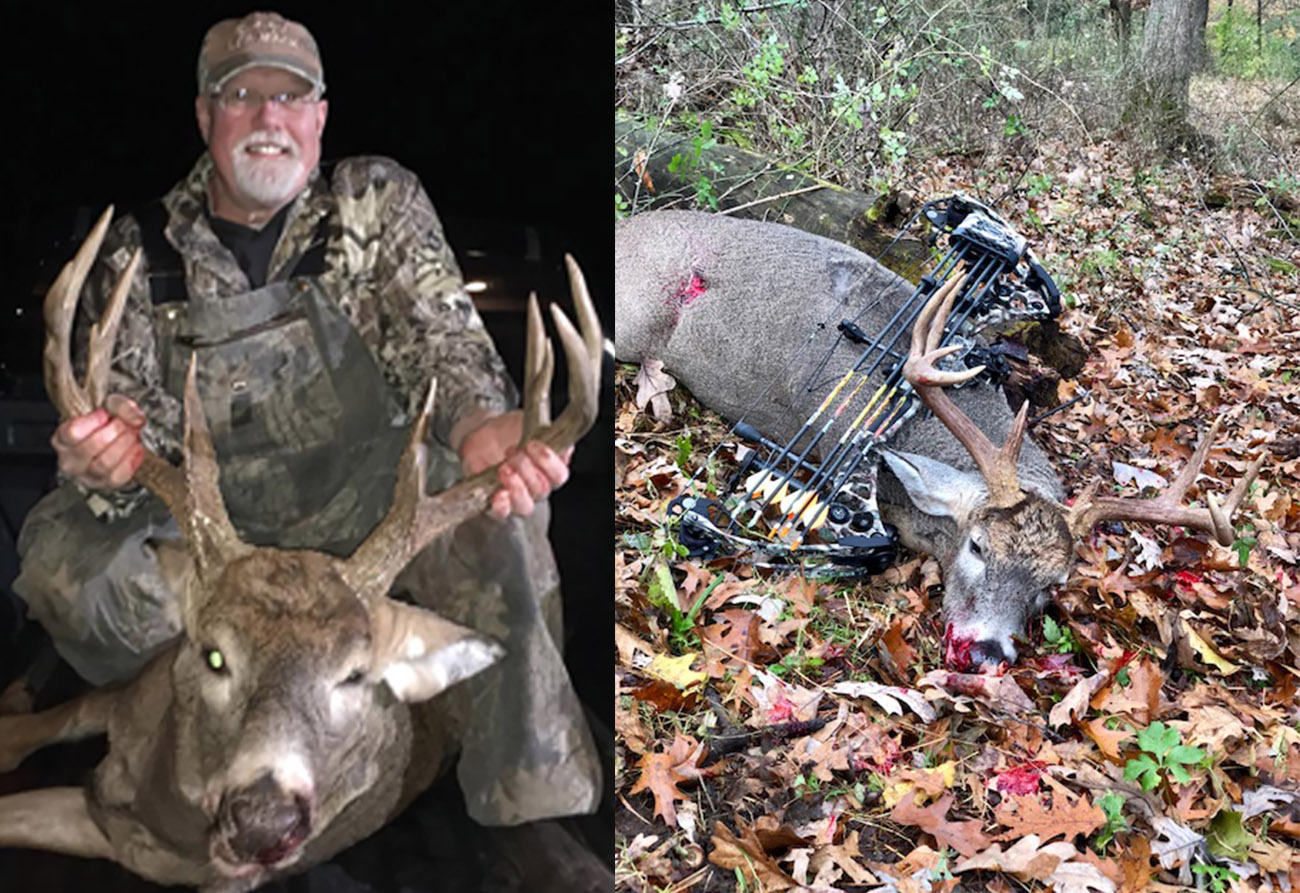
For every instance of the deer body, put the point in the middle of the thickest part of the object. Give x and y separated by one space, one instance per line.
743 311
766 289
302 707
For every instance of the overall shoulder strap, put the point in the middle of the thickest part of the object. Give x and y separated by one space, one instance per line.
166 270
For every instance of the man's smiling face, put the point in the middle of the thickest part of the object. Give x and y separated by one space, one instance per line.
263 151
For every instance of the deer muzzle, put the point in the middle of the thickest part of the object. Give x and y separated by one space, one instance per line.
263 823
968 650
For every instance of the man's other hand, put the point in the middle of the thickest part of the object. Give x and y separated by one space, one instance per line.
527 473
101 449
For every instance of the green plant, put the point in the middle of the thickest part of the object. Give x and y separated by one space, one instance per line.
1217 877
705 196
663 593
1111 804
1162 756
1059 638
1242 547
683 450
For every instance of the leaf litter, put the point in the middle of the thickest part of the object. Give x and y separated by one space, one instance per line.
781 733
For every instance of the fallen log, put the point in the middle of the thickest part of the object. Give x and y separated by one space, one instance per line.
747 184
751 185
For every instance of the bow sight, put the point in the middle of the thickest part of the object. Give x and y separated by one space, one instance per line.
811 502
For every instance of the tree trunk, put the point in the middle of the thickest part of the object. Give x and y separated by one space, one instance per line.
1173 43
1121 12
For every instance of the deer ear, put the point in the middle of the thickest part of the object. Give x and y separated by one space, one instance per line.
934 487
419 654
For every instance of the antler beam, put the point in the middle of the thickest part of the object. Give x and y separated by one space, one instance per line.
415 518
997 466
1168 508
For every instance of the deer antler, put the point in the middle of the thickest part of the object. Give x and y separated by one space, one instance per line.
415 519
997 466
1167 508
191 493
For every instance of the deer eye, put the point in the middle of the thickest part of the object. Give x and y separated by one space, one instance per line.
975 548
354 678
215 660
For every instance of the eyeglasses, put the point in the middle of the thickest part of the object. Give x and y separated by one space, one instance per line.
245 99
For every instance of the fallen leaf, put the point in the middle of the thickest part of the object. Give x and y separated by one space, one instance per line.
1174 844
662 772
1001 693
897 646
931 782
1131 474
964 837
1068 816
844 856
734 639
1107 740
633 651
748 855
890 697
1076 701
664 695
676 670
1025 859
1205 651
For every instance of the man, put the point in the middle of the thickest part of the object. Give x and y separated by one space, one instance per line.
318 301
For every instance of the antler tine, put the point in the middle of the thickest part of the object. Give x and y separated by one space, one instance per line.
68 396
415 519
998 466
1167 508
539 365
200 520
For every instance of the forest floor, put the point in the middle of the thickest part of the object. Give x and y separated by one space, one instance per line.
1148 738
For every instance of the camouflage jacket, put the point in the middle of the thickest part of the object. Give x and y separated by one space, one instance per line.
411 310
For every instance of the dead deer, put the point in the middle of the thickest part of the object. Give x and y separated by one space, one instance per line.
730 306
295 715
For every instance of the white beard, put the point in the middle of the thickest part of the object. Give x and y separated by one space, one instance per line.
269 180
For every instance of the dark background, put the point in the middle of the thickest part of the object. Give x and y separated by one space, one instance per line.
496 106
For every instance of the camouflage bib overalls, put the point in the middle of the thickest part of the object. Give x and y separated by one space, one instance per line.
306 430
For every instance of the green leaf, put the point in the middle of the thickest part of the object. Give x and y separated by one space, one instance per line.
1179 773
1227 838
1136 766
1051 630
1111 804
683 450
1242 547
1185 754
1157 738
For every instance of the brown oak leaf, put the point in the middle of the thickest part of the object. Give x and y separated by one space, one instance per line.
1067 816
736 636
747 854
1107 740
662 772
965 837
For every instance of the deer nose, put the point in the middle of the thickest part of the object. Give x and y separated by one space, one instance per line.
990 652
264 823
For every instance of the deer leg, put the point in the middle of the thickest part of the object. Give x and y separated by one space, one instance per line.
79 718
53 819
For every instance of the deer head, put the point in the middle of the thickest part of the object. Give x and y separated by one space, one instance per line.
1012 543
290 679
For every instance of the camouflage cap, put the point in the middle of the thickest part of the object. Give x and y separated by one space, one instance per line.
259 38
